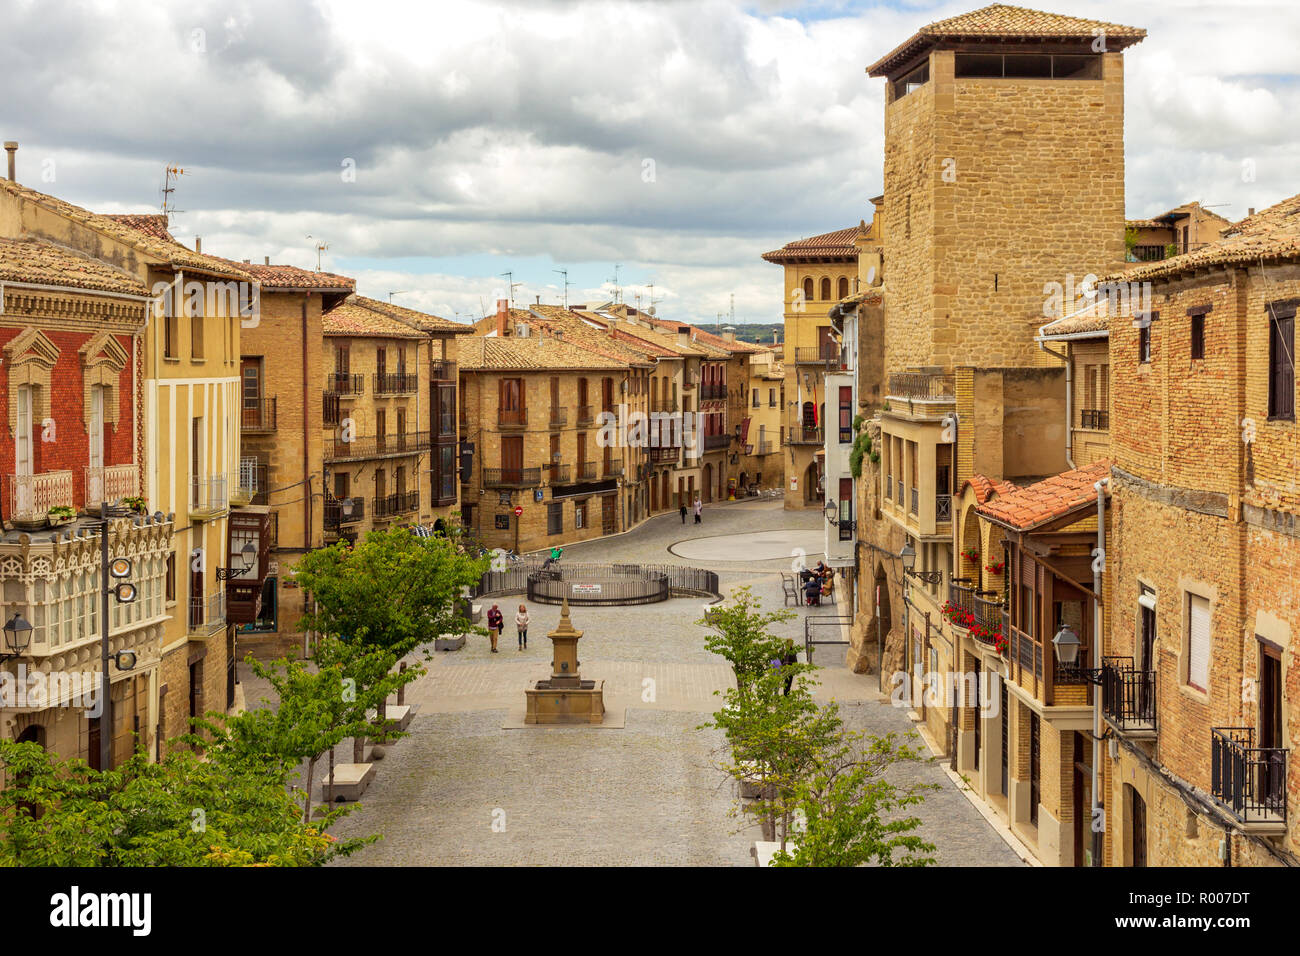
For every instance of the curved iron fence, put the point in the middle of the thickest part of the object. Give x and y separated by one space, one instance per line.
680 581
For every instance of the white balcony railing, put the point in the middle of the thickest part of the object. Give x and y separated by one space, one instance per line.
110 483
208 495
208 614
32 496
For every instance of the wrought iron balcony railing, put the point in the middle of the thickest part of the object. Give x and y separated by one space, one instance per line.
441 370
512 477
345 383
398 503
341 511
585 415
378 446
559 417
817 355
1128 695
922 386
257 415
512 418
587 471
556 473
806 435
714 442
1249 781
613 468
713 392
395 383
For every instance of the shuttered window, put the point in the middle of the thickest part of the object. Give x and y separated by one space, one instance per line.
1198 641
1281 361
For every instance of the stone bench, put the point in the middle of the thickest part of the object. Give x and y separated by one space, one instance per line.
350 781
397 717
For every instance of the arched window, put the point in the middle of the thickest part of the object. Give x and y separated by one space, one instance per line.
844 287
807 288
826 288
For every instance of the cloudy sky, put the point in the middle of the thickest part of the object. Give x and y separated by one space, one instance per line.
436 145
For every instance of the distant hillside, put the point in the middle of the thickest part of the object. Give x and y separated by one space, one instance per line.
759 332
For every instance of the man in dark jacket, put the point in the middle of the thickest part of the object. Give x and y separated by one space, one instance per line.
496 621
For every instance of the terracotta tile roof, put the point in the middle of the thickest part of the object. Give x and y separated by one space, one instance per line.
412 318
144 239
872 294
1145 224
44 263
1094 319
1002 22
1270 234
985 488
533 353
355 316
579 331
149 224
829 245
709 338
1026 508
291 277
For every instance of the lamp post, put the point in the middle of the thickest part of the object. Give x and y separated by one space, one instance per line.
18 635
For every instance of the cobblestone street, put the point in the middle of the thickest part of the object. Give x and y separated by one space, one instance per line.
460 789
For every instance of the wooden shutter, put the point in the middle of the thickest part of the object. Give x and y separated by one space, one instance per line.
1281 365
1198 641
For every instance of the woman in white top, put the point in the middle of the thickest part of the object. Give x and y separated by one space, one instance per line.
521 622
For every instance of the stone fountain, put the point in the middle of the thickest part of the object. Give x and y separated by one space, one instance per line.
564 697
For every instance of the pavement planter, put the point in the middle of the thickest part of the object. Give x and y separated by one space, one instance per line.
449 643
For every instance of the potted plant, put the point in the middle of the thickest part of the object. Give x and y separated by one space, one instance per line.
136 503
60 515
971 555
996 568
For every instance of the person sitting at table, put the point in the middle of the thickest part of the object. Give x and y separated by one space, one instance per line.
812 590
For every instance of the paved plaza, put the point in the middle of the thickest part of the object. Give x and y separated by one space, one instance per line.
460 789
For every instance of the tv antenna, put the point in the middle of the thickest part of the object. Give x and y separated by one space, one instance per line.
565 273
171 174
321 246
391 294
511 285
618 290
653 301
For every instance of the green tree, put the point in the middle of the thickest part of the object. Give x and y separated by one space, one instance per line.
741 633
392 589
218 810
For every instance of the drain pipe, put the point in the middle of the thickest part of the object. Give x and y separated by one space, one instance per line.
1097 573
1069 396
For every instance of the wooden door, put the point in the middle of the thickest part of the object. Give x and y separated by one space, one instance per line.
1006 733
1272 786
608 503
250 377
1137 827
512 458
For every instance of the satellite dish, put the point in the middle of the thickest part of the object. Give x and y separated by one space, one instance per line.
871 275
651 311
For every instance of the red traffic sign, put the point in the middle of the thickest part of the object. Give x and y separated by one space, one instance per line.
519 511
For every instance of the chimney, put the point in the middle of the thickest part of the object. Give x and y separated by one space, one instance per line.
266 260
729 335
683 335
539 299
1249 212
11 147
503 317
775 341
198 244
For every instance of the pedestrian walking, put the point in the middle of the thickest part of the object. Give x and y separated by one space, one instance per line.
521 624
683 512
699 510
495 623
790 656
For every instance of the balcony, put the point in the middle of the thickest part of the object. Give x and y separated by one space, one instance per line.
716 442
395 383
512 477
827 355
922 386
763 448
1128 697
378 446
207 614
559 417
251 485
1094 418
400 503
1248 781
557 474
331 409
981 608
666 454
110 483
339 512
257 415
587 471
585 415
665 406
613 469
942 508
32 496
806 435
344 383
440 370
512 418
208 497
713 393
916 503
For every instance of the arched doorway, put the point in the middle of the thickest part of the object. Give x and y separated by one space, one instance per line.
34 734
440 528
708 482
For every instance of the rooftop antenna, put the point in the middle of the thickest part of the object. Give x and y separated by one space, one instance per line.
565 273
509 277
732 319
718 324
171 174
391 294
653 301
321 246
618 291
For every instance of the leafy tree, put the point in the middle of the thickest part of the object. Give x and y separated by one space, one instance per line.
219 810
317 708
741 633
391 589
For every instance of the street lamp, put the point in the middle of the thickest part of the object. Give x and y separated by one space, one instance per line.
1066 646
908 557
18 634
